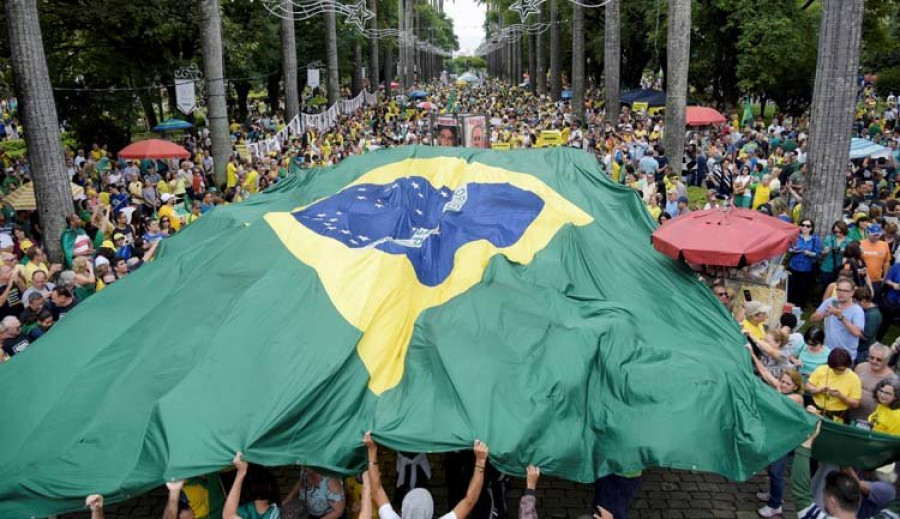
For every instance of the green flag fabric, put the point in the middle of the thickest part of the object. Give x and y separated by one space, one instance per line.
431 295
747 119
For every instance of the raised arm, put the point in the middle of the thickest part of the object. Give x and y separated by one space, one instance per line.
234 495
378 492
95 503
365 505
528 503
464 507
171 510
764 372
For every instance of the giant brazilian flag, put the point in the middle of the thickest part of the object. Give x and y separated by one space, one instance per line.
432 295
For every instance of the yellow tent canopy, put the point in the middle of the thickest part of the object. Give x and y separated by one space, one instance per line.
22 199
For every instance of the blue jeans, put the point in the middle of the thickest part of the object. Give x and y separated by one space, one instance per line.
776 480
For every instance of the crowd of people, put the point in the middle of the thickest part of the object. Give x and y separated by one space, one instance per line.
849 279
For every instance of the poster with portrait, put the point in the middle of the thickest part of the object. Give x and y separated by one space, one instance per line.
475 133
447 130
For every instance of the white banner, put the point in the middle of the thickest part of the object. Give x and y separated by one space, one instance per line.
312 77
185 96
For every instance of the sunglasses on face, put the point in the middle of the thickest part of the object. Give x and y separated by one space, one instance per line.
722 294
806 225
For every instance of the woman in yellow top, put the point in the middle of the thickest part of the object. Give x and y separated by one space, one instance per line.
162 187
835 387
886 418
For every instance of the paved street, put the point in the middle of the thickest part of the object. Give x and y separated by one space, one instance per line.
665 495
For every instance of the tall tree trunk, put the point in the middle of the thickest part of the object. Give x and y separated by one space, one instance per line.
540 72
532 58
388 71
612 59
149 109
831 114
38 111
331 57
410 49
289 63
242 89
678 53
577 61
401 44
555 52
273 92
373 48
214 70
357 68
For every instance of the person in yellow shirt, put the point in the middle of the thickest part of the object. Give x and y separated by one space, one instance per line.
886 418
762 193
835 387
756 314
231 177
251 181
168 210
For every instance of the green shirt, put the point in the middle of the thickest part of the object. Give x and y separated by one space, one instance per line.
248 511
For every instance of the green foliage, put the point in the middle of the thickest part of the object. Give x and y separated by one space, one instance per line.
462 64
17 148
881 35
888 82
777 52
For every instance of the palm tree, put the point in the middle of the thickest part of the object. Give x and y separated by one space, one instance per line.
331 58
214 69
410 49
679 50
38 110
373 48
356 78
577 61
532 57
612 58
555 57
831 114
289 63
539 72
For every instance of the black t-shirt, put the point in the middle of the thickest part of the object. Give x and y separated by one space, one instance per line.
60 311
15 345
13 305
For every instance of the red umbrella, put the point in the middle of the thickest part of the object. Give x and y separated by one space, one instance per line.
153 149
728 238
703 116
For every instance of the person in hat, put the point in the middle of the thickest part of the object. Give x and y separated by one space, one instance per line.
167 210
756 313
877 256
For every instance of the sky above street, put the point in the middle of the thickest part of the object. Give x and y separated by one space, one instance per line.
468 23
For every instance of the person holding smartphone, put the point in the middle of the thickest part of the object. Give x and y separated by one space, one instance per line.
844 319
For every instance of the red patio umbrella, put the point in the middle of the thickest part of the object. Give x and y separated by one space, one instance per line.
153 149
703 116
724 237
